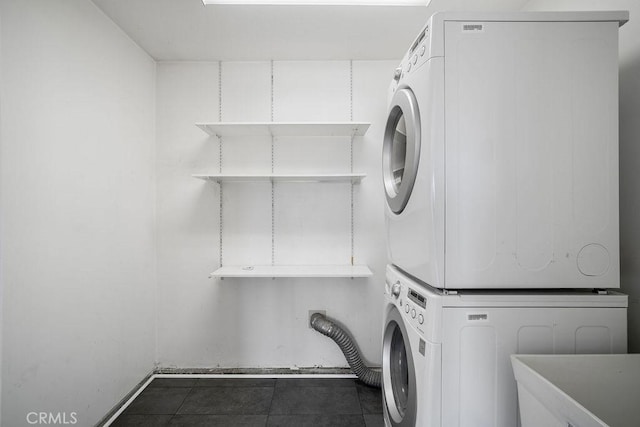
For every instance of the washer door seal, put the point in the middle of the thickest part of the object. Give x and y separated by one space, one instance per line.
398 373
401 149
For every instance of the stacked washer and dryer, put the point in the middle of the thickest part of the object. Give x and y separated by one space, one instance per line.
500 166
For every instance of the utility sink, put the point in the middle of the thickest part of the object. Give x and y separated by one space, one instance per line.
578 390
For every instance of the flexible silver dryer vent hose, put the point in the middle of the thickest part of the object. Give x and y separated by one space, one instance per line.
326 327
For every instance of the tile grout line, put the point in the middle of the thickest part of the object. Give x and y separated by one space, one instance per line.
183 400
273 395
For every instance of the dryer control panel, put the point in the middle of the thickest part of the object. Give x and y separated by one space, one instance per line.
418 54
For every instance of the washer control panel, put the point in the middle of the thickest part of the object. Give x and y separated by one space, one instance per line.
415 305
419 305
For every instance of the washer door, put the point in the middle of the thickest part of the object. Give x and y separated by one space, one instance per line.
398 373
401 149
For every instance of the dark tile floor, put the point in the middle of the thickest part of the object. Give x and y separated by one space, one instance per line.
250 402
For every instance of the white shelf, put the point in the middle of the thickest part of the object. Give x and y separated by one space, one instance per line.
218 178
221 129
258 271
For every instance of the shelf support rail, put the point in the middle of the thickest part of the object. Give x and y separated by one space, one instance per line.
351 157
273 184
220 152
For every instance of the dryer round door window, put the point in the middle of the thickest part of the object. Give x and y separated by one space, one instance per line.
398 373
401 149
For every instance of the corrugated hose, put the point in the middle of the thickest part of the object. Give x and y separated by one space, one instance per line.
326 327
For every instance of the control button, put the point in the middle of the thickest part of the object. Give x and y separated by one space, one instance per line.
406 308
423 49
415 59
420 319
409 67
413 313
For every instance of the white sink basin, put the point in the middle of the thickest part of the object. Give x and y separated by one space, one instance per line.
578 390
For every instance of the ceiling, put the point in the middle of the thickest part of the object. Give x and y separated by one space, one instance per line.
186 30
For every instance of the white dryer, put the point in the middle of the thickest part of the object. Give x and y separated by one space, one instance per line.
446 357
500 158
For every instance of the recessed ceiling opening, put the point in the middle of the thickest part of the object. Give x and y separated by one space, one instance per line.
321 2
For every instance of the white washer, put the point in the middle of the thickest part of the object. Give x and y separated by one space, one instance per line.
500 158
446 356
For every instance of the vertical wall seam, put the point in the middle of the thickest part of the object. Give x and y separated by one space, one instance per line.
156 296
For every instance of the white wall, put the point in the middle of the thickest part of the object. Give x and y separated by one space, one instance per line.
77 197
629 148
263 322
1 233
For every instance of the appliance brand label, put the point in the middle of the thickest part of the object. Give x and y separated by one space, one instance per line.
472 28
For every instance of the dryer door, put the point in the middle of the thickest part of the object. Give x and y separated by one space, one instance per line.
401 149
398 373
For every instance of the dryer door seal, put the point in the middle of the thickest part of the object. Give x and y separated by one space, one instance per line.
401 149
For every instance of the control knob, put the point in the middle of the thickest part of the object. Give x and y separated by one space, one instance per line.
397 74
395 289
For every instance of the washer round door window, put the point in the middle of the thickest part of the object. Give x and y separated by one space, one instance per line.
398 373
401 149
